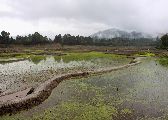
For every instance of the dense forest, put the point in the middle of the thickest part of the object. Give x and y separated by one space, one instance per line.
67 39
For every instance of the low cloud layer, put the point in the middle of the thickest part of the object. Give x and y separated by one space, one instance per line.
82 17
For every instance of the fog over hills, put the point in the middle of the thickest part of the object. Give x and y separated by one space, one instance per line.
117 33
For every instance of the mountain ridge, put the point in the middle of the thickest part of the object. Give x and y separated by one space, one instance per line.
118 33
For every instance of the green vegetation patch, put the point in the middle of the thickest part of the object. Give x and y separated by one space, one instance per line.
126 111
13 55
164 61
37 58
73 111
145 54
78 111
86 56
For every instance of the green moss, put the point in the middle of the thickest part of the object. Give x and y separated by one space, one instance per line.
86 56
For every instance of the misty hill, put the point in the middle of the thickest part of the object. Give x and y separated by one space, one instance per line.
117 37
117 33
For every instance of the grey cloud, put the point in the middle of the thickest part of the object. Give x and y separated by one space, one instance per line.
86 9
143 15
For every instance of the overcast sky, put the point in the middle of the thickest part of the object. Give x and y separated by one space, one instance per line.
84 17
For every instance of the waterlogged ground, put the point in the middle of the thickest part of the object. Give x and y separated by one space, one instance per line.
139 92
27 72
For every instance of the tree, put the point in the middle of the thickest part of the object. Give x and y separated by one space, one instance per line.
58 39
4 38
164 41
37 38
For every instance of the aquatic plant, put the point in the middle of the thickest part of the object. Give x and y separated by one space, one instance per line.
37 58
164 61
145 54
86 56
79 111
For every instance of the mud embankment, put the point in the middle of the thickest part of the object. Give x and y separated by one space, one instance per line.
32 97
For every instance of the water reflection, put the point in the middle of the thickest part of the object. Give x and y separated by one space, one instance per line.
142 89
37 69
37 59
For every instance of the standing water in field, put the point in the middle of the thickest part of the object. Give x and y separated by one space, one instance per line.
20 75
138 92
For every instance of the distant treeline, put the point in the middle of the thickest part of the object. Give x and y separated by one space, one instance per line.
67 39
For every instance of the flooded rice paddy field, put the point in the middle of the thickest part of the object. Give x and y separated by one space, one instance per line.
135 93
18 75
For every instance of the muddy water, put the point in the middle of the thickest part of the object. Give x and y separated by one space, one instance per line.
142 89
19 75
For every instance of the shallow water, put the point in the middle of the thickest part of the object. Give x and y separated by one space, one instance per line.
141 89
19 75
